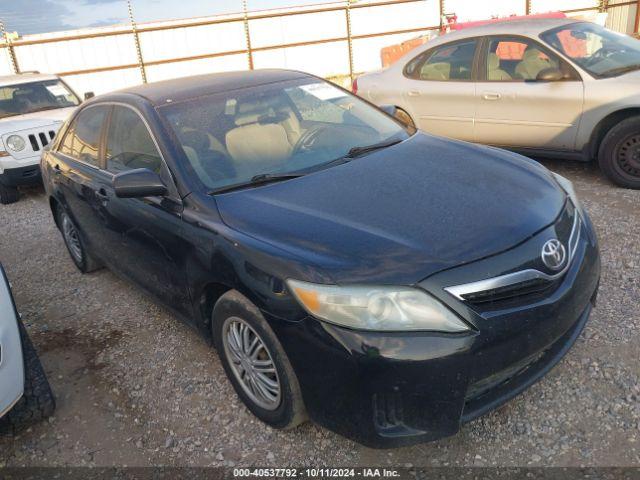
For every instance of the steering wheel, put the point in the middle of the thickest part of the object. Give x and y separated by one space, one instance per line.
308 138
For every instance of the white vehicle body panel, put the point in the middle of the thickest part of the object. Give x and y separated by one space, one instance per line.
11 360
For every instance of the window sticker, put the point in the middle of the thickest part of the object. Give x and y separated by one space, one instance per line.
323 91
56 90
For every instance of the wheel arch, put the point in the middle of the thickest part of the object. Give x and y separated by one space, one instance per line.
54 204
606 124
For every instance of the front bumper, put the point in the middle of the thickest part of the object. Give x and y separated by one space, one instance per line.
11 361
392 389
28 174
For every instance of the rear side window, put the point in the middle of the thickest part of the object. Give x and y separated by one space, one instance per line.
129 143
82 140
453 61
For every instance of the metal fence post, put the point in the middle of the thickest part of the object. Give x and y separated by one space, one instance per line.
441 10
12 54
349 39
636 29
527 8
136 39
247 33
603 5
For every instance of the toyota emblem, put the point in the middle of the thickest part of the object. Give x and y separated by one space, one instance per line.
554 254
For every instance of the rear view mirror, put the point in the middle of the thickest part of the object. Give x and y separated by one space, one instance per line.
88 95
138 183
550 75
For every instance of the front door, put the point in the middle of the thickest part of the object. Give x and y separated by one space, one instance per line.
514 109
439 90
144 235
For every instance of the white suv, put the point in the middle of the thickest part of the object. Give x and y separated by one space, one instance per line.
32 108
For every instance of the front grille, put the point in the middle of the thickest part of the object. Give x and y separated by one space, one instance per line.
533 281
41 139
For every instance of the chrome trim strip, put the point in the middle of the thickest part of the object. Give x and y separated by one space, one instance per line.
459 291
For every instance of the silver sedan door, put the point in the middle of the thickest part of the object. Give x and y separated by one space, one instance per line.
439 89
515 108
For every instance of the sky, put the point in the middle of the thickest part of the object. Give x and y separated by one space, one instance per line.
40 16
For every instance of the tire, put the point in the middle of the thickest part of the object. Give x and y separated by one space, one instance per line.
78 252
287 411
37 402
8 195
619 153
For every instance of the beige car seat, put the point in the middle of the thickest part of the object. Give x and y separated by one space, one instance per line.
436 71
533 62
494 72
258 147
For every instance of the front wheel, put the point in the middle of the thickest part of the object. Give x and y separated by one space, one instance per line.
619 154
8 194
255 362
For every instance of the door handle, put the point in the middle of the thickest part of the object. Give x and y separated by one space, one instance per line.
56 169
413 93
102 195
491 96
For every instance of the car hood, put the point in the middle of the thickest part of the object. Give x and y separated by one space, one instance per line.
34 120
398 215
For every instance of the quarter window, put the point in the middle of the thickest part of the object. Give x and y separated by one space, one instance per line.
129 143
82 140
448 62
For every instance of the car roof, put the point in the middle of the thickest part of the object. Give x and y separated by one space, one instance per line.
179 89
25 78
529 27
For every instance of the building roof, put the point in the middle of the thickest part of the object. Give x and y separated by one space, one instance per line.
180 89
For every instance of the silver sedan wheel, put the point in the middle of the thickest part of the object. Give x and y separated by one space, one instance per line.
251 363
71 238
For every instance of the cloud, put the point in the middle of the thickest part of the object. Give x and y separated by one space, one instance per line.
108 21
101 2
34 16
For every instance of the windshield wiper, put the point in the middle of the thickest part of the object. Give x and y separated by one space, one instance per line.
255 181
357 151
620 70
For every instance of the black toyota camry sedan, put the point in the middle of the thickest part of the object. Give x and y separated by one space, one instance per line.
388 284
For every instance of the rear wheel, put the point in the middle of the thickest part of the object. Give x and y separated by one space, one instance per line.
8 194
255 362
75 245
619 154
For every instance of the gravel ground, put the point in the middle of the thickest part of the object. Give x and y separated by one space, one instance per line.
136 387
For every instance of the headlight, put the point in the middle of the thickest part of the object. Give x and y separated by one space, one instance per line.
15 143
567 186
376 308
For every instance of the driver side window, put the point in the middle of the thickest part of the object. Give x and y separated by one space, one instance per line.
129 143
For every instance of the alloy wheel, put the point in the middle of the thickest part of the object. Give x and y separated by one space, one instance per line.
71 238
251 363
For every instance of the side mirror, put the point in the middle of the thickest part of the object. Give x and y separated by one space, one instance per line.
389 109
550 75
138 183
88 95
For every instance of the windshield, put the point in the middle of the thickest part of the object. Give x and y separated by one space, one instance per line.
35 97
277 129
599 51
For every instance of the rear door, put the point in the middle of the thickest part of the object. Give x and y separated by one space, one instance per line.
439 89
76 170
515 109
144 236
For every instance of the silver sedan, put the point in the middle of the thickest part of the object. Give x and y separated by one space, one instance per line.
545 87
